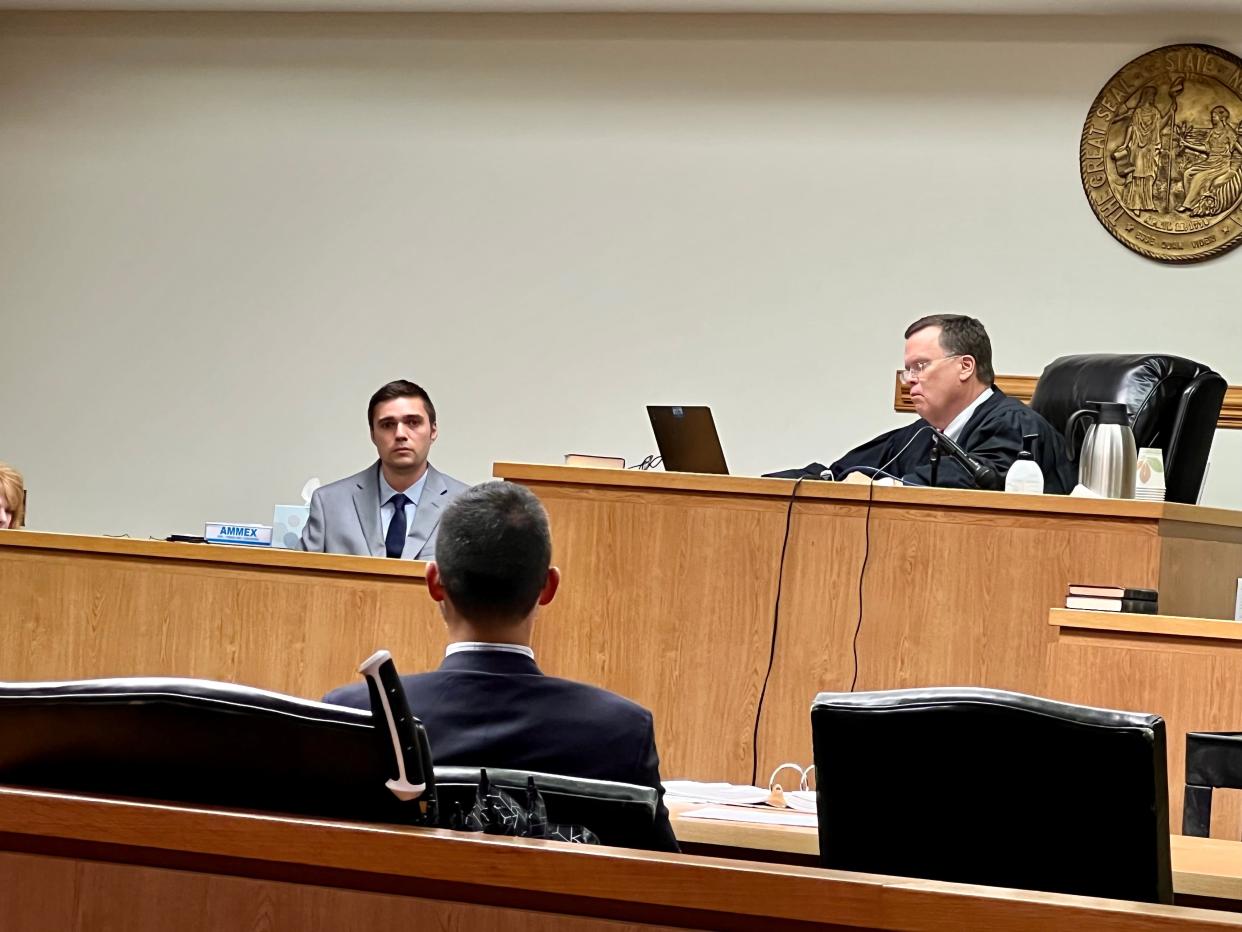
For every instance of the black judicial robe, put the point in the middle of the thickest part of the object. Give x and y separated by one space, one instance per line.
993 435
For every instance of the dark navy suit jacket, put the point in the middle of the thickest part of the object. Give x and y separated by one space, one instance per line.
497 709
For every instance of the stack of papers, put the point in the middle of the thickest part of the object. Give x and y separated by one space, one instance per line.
730 794
691 791
763 816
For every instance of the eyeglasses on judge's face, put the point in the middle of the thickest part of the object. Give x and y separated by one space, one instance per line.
915 371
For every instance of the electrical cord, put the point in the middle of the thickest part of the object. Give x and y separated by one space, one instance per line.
862 575
780 580
776 615
650 462
862 571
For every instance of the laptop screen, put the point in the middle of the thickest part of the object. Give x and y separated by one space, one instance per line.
687 439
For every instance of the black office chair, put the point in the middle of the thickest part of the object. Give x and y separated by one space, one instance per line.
991 787
1213 759
219 744
1174 404
619 814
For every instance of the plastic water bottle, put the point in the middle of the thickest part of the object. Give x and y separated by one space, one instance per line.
1024 475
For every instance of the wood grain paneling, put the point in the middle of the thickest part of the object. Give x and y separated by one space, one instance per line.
951 597
295 623
1022 387
957 592
74 895
669 597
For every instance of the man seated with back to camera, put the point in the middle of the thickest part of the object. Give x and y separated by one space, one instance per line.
948 366
489 704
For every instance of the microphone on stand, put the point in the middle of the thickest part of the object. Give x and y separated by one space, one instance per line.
985 476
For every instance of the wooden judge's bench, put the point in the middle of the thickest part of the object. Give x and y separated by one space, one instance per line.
670 597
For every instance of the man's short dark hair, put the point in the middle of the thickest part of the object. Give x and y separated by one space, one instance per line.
493 550
961 336
400 389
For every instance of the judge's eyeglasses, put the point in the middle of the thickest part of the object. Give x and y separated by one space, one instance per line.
910 373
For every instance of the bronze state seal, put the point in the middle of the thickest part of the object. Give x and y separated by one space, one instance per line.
1161 155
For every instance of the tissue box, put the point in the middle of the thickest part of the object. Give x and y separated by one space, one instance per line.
252 535
287 524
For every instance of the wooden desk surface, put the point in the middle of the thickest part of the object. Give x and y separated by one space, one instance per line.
110 862
1209 867
257 557
656 480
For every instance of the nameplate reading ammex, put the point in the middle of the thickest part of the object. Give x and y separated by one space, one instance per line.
252 535
1161 157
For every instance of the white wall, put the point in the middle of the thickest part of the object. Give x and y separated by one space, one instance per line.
219 233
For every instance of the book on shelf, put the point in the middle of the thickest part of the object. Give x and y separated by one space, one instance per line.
1091 603
1114 592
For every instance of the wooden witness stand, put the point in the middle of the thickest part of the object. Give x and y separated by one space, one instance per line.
77 864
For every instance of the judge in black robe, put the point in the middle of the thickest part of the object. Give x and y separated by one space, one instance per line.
948 366
992 435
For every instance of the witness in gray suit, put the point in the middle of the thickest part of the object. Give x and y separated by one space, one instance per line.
392 508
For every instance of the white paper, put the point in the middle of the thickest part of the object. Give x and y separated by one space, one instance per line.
763 816
802 800
727 793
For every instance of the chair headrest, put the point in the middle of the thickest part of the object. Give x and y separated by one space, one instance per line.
947 698
1150 387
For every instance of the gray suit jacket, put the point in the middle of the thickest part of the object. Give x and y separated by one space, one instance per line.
344 516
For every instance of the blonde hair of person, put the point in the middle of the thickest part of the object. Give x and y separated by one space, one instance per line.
12 490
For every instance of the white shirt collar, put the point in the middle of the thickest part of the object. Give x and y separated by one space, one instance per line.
462 646
413 493
954 430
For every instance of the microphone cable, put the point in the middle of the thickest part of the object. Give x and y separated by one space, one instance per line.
650 462
862 571
780 581
776 616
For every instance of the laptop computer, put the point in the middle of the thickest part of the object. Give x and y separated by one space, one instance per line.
687 439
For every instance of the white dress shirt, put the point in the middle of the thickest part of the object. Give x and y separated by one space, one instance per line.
461 646
954 430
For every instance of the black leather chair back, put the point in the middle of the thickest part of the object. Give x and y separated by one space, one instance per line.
620 814
203 742
1174 404
990 787
1213 760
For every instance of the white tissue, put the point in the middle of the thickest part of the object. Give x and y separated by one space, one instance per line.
309 489
1083 492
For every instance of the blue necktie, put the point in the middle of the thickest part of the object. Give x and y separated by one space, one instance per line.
394 543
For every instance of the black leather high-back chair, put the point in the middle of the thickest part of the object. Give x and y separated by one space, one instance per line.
1174 404
620 814
990 787
209 743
